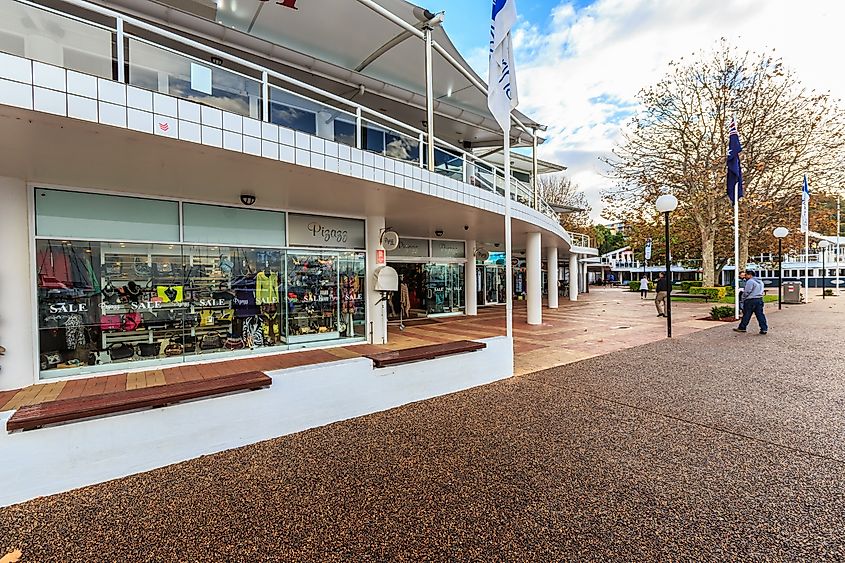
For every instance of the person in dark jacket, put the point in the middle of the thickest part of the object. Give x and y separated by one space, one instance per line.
662 293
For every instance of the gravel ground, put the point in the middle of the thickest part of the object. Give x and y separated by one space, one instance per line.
709 447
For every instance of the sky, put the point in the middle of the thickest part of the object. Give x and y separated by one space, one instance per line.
581 64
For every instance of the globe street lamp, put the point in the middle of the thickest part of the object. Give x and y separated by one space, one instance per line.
780 233
666 204
822 247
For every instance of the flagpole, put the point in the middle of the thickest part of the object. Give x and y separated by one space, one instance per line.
807 260
736 251
838 248
508 250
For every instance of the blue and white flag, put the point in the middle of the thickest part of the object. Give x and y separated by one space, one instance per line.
734 169
805 206
501 93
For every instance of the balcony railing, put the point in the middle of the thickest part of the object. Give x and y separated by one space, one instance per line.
579 239
119 47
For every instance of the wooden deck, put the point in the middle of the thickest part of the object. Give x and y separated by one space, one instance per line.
603 321
68 410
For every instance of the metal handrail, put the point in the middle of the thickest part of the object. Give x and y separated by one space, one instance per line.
361 112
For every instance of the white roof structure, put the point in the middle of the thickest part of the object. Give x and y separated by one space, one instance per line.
341 51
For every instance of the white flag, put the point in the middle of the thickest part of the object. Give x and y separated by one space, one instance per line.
805 206
501 95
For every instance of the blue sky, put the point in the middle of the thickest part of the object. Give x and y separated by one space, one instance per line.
580 64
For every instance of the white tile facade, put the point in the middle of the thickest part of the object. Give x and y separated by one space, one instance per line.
54 90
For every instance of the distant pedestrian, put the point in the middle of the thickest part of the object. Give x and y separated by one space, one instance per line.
662 294
752 304
644 287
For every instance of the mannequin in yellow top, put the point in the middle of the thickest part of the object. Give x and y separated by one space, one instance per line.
266 287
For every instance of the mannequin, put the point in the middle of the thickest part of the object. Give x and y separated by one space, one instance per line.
404 297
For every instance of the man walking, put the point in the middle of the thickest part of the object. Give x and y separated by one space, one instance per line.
752 304
662 293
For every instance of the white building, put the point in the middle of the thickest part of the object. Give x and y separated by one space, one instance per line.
184 180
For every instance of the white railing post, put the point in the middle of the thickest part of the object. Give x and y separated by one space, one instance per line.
121 56
359 131
422 153
465 166
265 96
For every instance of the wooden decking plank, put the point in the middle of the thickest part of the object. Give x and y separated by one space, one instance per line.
86 407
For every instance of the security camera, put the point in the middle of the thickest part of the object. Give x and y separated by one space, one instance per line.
439 232
466 227
248 199
496 245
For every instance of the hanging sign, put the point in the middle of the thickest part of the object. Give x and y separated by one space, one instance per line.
648 249
380 257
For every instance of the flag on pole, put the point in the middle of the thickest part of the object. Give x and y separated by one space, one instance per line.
734 170
805 206
501 92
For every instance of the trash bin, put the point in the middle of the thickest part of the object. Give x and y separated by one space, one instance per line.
791 292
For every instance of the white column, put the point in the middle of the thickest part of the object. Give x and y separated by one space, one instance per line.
377 314
533 279
552 272
573 277
471 285
18 331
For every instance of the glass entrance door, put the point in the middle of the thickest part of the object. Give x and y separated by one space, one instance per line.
494 285
444 288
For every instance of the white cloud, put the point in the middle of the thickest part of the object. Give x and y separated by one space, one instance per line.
581 74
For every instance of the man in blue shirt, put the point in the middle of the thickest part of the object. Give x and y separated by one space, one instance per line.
752 298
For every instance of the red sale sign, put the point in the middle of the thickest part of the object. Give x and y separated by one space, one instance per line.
380 256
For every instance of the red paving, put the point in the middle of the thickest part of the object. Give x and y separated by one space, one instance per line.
586 328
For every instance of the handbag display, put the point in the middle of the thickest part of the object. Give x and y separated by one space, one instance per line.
121 351
170 293
188 343
173 349
50 360
131 321
206 318
148 349
211 341
233 343
110 322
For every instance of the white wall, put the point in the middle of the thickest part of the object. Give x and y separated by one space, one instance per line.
59 458
16 313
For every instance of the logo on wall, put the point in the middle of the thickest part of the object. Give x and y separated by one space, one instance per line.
164 126
328 235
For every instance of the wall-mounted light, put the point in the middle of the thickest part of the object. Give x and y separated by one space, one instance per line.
248 199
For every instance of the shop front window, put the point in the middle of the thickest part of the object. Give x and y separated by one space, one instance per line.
110 305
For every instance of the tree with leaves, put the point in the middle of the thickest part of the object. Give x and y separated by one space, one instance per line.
678 142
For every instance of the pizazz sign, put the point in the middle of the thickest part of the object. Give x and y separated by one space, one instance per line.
328 232
286 3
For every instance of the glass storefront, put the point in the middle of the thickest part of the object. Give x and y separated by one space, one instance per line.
102 303
431 278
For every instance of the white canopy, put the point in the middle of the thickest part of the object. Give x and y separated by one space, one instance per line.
339 46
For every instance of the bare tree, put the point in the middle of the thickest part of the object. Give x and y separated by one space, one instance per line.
559 190
679 139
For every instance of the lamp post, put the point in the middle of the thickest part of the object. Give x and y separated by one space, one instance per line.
822 248
780 233
666 204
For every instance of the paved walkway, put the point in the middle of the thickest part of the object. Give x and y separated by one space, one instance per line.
711 446
602 321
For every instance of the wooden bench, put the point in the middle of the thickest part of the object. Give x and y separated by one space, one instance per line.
693 296
67 410
395 357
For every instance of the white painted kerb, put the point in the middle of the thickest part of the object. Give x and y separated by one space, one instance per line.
59 458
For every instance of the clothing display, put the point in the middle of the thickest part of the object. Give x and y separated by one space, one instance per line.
266 287
104 303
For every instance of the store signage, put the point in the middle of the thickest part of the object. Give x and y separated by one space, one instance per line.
68 308
448 249
412 248
380 257
329 232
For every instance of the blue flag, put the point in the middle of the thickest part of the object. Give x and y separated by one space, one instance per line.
734 170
